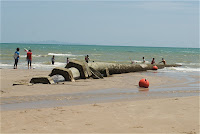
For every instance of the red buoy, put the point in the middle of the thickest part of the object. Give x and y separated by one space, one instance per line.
155 68
144 83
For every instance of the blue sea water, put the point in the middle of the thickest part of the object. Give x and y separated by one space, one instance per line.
42 54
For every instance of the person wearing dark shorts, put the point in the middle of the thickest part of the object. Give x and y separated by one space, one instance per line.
29 58
16 58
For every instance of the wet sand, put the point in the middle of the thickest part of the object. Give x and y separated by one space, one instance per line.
120 81
171 114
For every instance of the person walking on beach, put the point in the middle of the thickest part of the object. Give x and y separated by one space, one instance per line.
67 60
87 58
143 60
153 61
163 61
29 58
16 58
53 60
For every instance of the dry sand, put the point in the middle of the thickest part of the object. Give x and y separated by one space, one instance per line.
166 115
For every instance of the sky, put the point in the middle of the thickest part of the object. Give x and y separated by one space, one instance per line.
124 23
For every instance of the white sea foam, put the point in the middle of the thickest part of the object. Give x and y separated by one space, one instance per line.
23 55
36 65
180 69
34 55
179 64
43 66
186 64
189 66
69 55
137 61
5 65
40 55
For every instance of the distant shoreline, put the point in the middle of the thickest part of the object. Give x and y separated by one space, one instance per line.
84 44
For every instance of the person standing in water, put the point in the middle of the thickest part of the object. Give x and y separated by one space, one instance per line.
53 60
143 60
29 58
153 61
163 61
16 58
67 60
87 58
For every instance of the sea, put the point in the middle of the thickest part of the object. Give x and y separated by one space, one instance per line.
42 54
188 73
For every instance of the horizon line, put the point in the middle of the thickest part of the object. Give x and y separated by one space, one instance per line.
62 43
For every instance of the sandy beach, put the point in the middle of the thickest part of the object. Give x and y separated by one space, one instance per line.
75 66
155 115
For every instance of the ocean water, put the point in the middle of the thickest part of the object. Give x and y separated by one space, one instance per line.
42 54
189 72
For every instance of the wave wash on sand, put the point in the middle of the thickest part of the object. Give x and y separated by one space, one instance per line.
110 105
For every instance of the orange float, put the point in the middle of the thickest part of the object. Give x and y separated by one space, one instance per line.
144 83
155 68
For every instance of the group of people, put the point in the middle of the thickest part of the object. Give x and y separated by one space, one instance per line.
163 61
87 59
152 62
28 57
53 60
